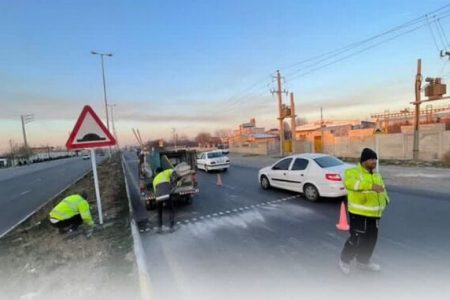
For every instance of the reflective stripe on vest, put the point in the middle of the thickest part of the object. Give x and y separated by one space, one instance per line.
59 215
367 208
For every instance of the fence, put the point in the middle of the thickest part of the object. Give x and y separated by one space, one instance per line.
432 145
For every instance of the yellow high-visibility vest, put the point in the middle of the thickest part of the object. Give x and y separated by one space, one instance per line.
71 206
361 199
164 176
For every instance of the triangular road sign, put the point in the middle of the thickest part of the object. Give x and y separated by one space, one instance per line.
89 132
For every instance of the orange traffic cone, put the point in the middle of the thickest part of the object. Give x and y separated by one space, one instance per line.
219 180
343 223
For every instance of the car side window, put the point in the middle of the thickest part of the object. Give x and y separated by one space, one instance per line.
283 165
300 164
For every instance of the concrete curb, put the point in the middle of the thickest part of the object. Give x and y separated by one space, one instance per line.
46 202
144 277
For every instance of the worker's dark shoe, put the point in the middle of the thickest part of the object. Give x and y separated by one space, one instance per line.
371 267
345 267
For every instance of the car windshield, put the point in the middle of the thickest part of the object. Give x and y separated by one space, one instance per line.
215 154
328 162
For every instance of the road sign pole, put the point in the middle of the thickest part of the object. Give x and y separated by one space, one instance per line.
97 189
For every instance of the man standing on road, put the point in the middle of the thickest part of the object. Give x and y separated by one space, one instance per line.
71 212
367 199
162 186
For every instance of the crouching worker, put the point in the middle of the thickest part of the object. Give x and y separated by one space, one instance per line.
162 186
71 212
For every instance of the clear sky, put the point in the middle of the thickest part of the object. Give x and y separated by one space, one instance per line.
201 65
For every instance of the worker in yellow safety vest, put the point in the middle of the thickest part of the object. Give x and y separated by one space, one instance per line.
71 212
162 185
367 200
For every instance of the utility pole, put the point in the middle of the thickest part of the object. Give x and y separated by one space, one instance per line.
293 123
25 119
13 156
280 111
24 132
321 129
435 90
174 137
418 86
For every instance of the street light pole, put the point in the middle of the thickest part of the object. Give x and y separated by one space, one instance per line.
104 82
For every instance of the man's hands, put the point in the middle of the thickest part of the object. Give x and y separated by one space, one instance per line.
378 188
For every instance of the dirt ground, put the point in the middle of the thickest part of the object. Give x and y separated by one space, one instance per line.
36 262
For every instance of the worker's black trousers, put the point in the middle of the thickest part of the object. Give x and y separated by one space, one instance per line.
72 223
362 240
170 205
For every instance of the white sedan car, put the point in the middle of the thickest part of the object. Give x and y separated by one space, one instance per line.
213 160
312 174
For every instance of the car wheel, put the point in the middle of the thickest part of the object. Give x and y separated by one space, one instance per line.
265 183
226 169
311 193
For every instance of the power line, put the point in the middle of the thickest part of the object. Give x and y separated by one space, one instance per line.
438 29
356 52
432 34
364 41
443 32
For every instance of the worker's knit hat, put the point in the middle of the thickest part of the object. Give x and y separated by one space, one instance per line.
368 154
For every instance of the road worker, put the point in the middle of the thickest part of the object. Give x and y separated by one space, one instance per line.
162 186
367 199
71 212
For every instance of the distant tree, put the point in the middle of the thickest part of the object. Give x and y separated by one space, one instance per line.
23 152
223 134
203 138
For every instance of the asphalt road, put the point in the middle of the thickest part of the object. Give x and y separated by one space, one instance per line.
25 189
240 242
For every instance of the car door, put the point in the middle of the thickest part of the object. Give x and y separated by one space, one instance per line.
201 161
278 173
297 174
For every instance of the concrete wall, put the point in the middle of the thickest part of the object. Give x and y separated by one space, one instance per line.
432 145
266 148
303 147
258 149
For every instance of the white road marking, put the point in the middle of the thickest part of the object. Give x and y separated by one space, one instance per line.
24 193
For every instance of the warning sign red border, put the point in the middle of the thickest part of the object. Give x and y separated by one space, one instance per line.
71 144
